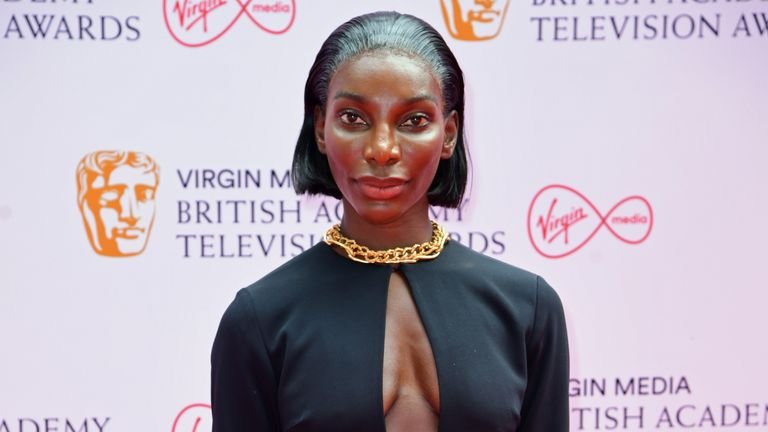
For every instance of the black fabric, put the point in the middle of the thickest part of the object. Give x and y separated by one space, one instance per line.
302 349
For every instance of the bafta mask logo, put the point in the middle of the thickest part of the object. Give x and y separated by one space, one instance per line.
116 195
474 20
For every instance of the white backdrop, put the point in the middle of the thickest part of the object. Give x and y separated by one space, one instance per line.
638 127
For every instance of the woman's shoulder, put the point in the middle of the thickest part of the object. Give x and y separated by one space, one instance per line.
471 267
467 262
301 267
287 283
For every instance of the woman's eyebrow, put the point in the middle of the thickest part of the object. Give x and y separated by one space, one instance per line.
420 98
409 101
349 95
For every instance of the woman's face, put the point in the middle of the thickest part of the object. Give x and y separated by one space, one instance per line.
384 132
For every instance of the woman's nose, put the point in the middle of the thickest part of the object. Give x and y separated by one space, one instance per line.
382 147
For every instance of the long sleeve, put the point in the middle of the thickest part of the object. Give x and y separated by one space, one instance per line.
243 385
545 405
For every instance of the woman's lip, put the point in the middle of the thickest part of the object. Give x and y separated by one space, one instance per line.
381 182
379 188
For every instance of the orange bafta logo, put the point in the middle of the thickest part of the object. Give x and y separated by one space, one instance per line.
116 196
474 20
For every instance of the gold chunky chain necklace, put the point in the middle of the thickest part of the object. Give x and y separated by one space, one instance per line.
410 254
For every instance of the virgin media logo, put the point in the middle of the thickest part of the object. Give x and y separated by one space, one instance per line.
561 220
195 23
193 418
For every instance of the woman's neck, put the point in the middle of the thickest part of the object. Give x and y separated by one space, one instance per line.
410 228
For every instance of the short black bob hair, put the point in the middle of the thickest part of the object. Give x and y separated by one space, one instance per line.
399 33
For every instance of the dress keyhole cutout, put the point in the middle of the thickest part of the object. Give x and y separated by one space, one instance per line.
411 395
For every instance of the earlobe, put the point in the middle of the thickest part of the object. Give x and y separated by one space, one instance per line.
451 133
319 118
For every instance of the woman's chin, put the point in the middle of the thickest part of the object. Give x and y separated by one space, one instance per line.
386 211
379 214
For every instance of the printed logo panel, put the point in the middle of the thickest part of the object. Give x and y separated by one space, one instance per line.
474 20
116 197
196 23
561 220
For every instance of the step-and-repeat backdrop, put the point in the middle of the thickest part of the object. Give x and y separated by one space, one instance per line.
619 149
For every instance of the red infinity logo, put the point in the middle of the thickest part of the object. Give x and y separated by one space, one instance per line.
561 220
193 418
194 23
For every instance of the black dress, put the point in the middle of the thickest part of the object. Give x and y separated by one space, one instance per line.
302 349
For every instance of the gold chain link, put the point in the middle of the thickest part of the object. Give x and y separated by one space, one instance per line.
410 254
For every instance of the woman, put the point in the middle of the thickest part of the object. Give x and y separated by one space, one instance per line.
387 325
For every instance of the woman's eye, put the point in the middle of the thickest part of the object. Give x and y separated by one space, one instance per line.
417 121
351 118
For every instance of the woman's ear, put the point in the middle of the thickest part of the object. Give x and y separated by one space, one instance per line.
451 134
319 118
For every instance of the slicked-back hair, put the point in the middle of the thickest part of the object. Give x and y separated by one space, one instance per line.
398 33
